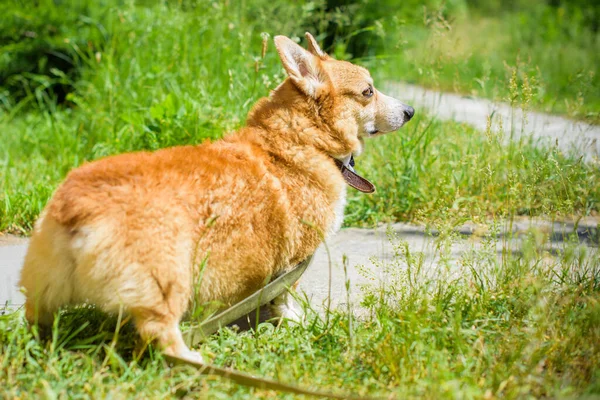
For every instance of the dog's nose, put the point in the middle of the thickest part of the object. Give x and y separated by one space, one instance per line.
409 112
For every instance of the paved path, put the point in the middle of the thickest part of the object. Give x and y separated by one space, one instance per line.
361 245
366 249
546 128
12 252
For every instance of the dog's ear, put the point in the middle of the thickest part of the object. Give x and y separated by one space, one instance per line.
314 48
303 68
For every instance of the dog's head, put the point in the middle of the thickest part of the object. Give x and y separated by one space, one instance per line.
344 95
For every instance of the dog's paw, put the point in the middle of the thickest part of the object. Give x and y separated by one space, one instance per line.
192 356
293 313
286 307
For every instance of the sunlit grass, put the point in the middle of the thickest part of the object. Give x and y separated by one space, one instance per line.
492 324
165 76
477 54
429 167
497 322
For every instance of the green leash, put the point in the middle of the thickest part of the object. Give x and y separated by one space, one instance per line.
259 298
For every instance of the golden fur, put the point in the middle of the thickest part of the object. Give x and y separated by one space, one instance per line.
130 231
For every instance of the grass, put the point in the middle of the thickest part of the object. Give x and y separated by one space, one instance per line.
548 48
189 77
193 73
433 167
496 322
424 169
524 324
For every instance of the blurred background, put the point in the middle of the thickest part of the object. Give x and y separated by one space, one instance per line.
81 80
469 46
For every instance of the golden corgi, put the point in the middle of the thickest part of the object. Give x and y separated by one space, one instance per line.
130 231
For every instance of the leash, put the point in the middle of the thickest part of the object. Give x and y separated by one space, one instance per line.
259 298
258 382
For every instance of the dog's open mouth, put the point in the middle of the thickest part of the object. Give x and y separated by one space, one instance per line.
352 178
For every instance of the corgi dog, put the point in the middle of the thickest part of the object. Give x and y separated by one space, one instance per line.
144 232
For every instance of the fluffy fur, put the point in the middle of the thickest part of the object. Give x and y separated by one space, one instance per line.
130 231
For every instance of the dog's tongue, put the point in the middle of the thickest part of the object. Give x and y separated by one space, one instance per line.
352 178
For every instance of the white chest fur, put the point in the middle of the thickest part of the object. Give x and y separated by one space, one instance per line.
338 209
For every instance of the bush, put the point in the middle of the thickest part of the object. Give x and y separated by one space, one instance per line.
41 46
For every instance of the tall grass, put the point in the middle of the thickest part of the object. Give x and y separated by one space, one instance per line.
160 74
473 46
497 322
465 50
429 168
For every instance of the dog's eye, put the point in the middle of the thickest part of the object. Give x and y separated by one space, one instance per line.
368 92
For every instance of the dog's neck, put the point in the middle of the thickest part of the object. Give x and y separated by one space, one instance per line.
290 122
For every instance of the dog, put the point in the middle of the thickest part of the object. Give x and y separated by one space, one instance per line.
145 232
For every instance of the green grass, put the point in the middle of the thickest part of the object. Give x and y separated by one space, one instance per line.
162 76
430 168
476 47
526 324
550 50
157 76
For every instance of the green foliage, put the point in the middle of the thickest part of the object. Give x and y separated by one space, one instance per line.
157 75
355 28
41 47
471 46
161 75
475 53
428 168
145 75
586 13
